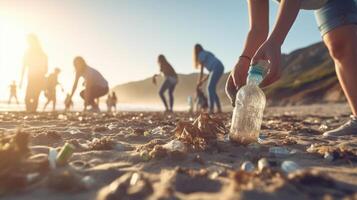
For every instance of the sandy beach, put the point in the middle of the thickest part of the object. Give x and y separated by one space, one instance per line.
121 156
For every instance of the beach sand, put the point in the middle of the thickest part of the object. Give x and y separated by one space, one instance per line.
112 148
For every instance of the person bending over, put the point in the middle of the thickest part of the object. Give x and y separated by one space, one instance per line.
337 21
95 84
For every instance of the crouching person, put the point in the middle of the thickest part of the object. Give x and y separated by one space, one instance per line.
95 84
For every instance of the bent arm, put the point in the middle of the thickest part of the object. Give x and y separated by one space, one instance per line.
288 11
257 34
75 84
259 26
22 74
200 78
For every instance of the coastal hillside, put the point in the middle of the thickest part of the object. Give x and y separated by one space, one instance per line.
308 77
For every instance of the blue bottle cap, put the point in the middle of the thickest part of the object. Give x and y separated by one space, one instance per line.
257 69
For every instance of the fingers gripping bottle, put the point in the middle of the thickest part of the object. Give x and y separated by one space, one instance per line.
249 107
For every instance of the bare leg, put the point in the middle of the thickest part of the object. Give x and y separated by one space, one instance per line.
44 107
342 45
54 104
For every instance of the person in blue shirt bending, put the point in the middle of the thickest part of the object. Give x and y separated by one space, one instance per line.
205 59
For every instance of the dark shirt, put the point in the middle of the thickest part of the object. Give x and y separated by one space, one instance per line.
52 81
167 70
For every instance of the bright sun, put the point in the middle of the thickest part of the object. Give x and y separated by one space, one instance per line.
12 47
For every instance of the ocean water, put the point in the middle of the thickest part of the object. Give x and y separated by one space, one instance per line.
4 106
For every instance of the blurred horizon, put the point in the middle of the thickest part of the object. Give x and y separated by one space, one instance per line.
122 38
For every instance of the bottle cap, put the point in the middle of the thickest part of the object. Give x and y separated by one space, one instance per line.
259 68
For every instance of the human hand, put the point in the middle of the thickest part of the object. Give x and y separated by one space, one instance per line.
239 73
154 79
231 89
271 52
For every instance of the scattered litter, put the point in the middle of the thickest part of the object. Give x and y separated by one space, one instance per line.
74 131
88 181
323 127
289 166
112 126
65 154
263 164
247 166
175 145
158 131
52 156
145 155
279 151
329 156
226 138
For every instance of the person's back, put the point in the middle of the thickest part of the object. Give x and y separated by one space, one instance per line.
208 59
168 70
95 84
94 78
52 81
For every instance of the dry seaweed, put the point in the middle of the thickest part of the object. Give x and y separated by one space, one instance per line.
201 132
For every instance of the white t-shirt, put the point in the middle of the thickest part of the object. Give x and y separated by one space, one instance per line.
93 78
311 4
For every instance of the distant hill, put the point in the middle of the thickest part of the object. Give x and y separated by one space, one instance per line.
308 77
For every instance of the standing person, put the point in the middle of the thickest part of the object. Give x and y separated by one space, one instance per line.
35 60
114 100
95 84
50 90
13 92
205 59
337 21
169 84
109 103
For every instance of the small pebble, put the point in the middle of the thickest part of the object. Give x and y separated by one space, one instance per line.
247 166
329 156
88 181
289 166
263 163
145 155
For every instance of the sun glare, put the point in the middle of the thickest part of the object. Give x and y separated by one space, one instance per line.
13 44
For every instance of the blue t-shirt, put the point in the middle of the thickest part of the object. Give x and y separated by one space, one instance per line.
208 60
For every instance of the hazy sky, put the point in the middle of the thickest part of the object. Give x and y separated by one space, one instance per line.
122 38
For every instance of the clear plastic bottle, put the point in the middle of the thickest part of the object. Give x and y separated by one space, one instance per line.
249 107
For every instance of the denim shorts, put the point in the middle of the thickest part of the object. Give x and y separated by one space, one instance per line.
336 13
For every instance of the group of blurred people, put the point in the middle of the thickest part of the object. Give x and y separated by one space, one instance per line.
35 64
